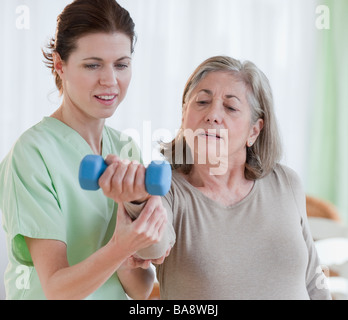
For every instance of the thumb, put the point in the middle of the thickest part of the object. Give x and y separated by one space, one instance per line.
111 158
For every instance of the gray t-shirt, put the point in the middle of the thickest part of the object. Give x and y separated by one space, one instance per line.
259 248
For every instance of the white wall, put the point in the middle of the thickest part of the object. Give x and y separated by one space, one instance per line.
174 36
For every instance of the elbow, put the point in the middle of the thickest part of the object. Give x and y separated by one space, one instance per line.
142 288
61 296
53 295
62 293
57 295
142 294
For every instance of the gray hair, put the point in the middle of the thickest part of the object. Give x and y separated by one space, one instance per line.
265 153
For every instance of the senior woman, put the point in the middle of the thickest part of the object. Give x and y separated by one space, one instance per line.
241 224
239 216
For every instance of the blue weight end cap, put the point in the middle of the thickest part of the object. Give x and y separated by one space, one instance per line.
91 168
158 178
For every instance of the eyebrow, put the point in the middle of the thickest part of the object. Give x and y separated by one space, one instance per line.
100 59
227 96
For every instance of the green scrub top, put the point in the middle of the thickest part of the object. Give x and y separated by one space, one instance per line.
40 197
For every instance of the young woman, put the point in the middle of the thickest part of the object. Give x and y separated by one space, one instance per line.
62 241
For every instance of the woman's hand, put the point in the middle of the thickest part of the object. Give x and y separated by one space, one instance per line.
123 180
132 236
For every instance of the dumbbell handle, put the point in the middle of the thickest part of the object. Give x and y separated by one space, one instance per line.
158 175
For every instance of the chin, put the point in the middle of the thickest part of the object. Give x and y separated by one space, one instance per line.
108 113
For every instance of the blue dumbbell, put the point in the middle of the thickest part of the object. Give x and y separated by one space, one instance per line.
158 175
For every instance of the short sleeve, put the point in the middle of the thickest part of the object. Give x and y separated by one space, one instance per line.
29 202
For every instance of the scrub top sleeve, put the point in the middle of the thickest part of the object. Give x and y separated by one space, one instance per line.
31 206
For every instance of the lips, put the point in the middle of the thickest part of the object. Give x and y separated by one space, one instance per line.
106 97
210 134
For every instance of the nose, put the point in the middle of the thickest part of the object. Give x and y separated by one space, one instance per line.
214 113
108 77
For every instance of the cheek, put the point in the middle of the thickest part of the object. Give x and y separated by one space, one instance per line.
189 119
123 83
239 132
79 82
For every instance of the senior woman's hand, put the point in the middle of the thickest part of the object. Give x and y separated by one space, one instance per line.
134 262
124 180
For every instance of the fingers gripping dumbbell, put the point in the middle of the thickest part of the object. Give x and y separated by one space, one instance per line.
158 175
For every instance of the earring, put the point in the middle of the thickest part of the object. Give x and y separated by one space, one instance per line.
250 144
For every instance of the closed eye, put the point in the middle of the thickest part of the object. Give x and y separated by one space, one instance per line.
230 108
202 102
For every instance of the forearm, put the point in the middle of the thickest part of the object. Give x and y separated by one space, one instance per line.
59 280
79 281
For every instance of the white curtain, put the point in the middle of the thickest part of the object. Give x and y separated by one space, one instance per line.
174 36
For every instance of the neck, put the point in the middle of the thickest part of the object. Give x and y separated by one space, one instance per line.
89 129
226 189
203 176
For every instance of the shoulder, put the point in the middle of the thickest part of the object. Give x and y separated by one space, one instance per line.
29 143
179 185
283 181
282 175
287 175
43 135
30 152
182 194
178 190
24 162
287 183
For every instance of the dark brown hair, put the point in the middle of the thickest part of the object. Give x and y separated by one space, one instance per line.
83 17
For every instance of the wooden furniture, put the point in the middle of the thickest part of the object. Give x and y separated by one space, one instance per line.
321 209
155 294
